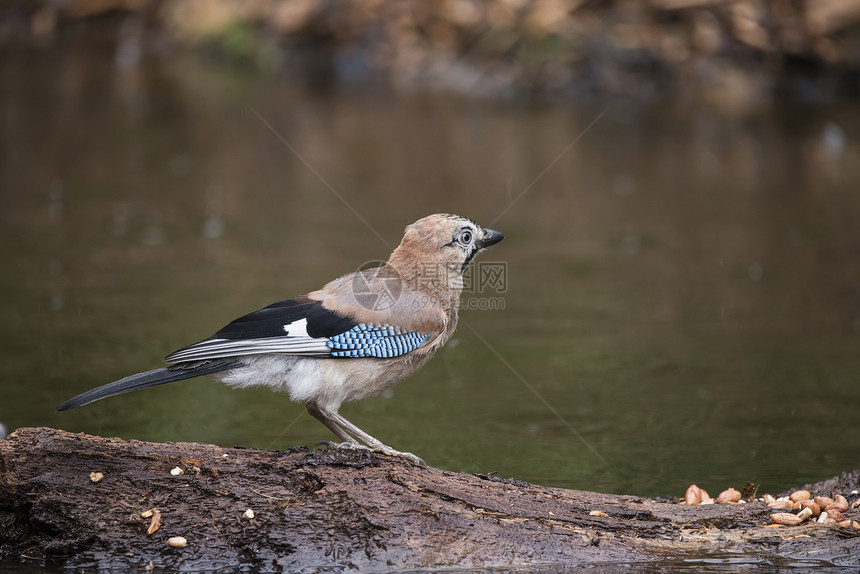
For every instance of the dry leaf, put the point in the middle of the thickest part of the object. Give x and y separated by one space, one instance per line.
155 523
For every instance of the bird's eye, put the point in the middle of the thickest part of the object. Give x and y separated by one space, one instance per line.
465 237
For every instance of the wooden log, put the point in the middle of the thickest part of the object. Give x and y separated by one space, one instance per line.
335 510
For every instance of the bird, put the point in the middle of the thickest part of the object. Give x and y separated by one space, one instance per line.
355 337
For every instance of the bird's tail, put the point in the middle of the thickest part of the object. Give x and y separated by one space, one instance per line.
150 379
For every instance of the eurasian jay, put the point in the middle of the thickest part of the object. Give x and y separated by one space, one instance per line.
352 339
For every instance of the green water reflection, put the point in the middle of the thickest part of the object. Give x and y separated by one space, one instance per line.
683 287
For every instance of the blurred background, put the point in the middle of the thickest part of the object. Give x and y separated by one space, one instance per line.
678 182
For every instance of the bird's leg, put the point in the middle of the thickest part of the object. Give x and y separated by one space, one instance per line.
375 444
339 426
324 417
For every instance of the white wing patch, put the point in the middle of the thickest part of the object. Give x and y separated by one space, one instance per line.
298 328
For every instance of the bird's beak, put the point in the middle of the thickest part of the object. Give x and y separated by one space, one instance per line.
491 237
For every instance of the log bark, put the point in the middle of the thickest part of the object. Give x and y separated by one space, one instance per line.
335 510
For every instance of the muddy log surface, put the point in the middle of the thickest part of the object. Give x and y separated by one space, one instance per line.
336 510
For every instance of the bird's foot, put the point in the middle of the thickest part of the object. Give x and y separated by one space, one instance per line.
348 445
384 449
417 460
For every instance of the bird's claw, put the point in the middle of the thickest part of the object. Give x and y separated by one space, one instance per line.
416 460
351 446
384 449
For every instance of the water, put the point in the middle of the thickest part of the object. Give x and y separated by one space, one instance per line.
682 294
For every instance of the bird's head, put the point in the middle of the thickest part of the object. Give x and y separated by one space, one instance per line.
441 243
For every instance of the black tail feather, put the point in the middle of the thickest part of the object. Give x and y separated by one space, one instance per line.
149 379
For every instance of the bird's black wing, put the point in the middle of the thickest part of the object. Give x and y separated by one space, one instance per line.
299 326
269 321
